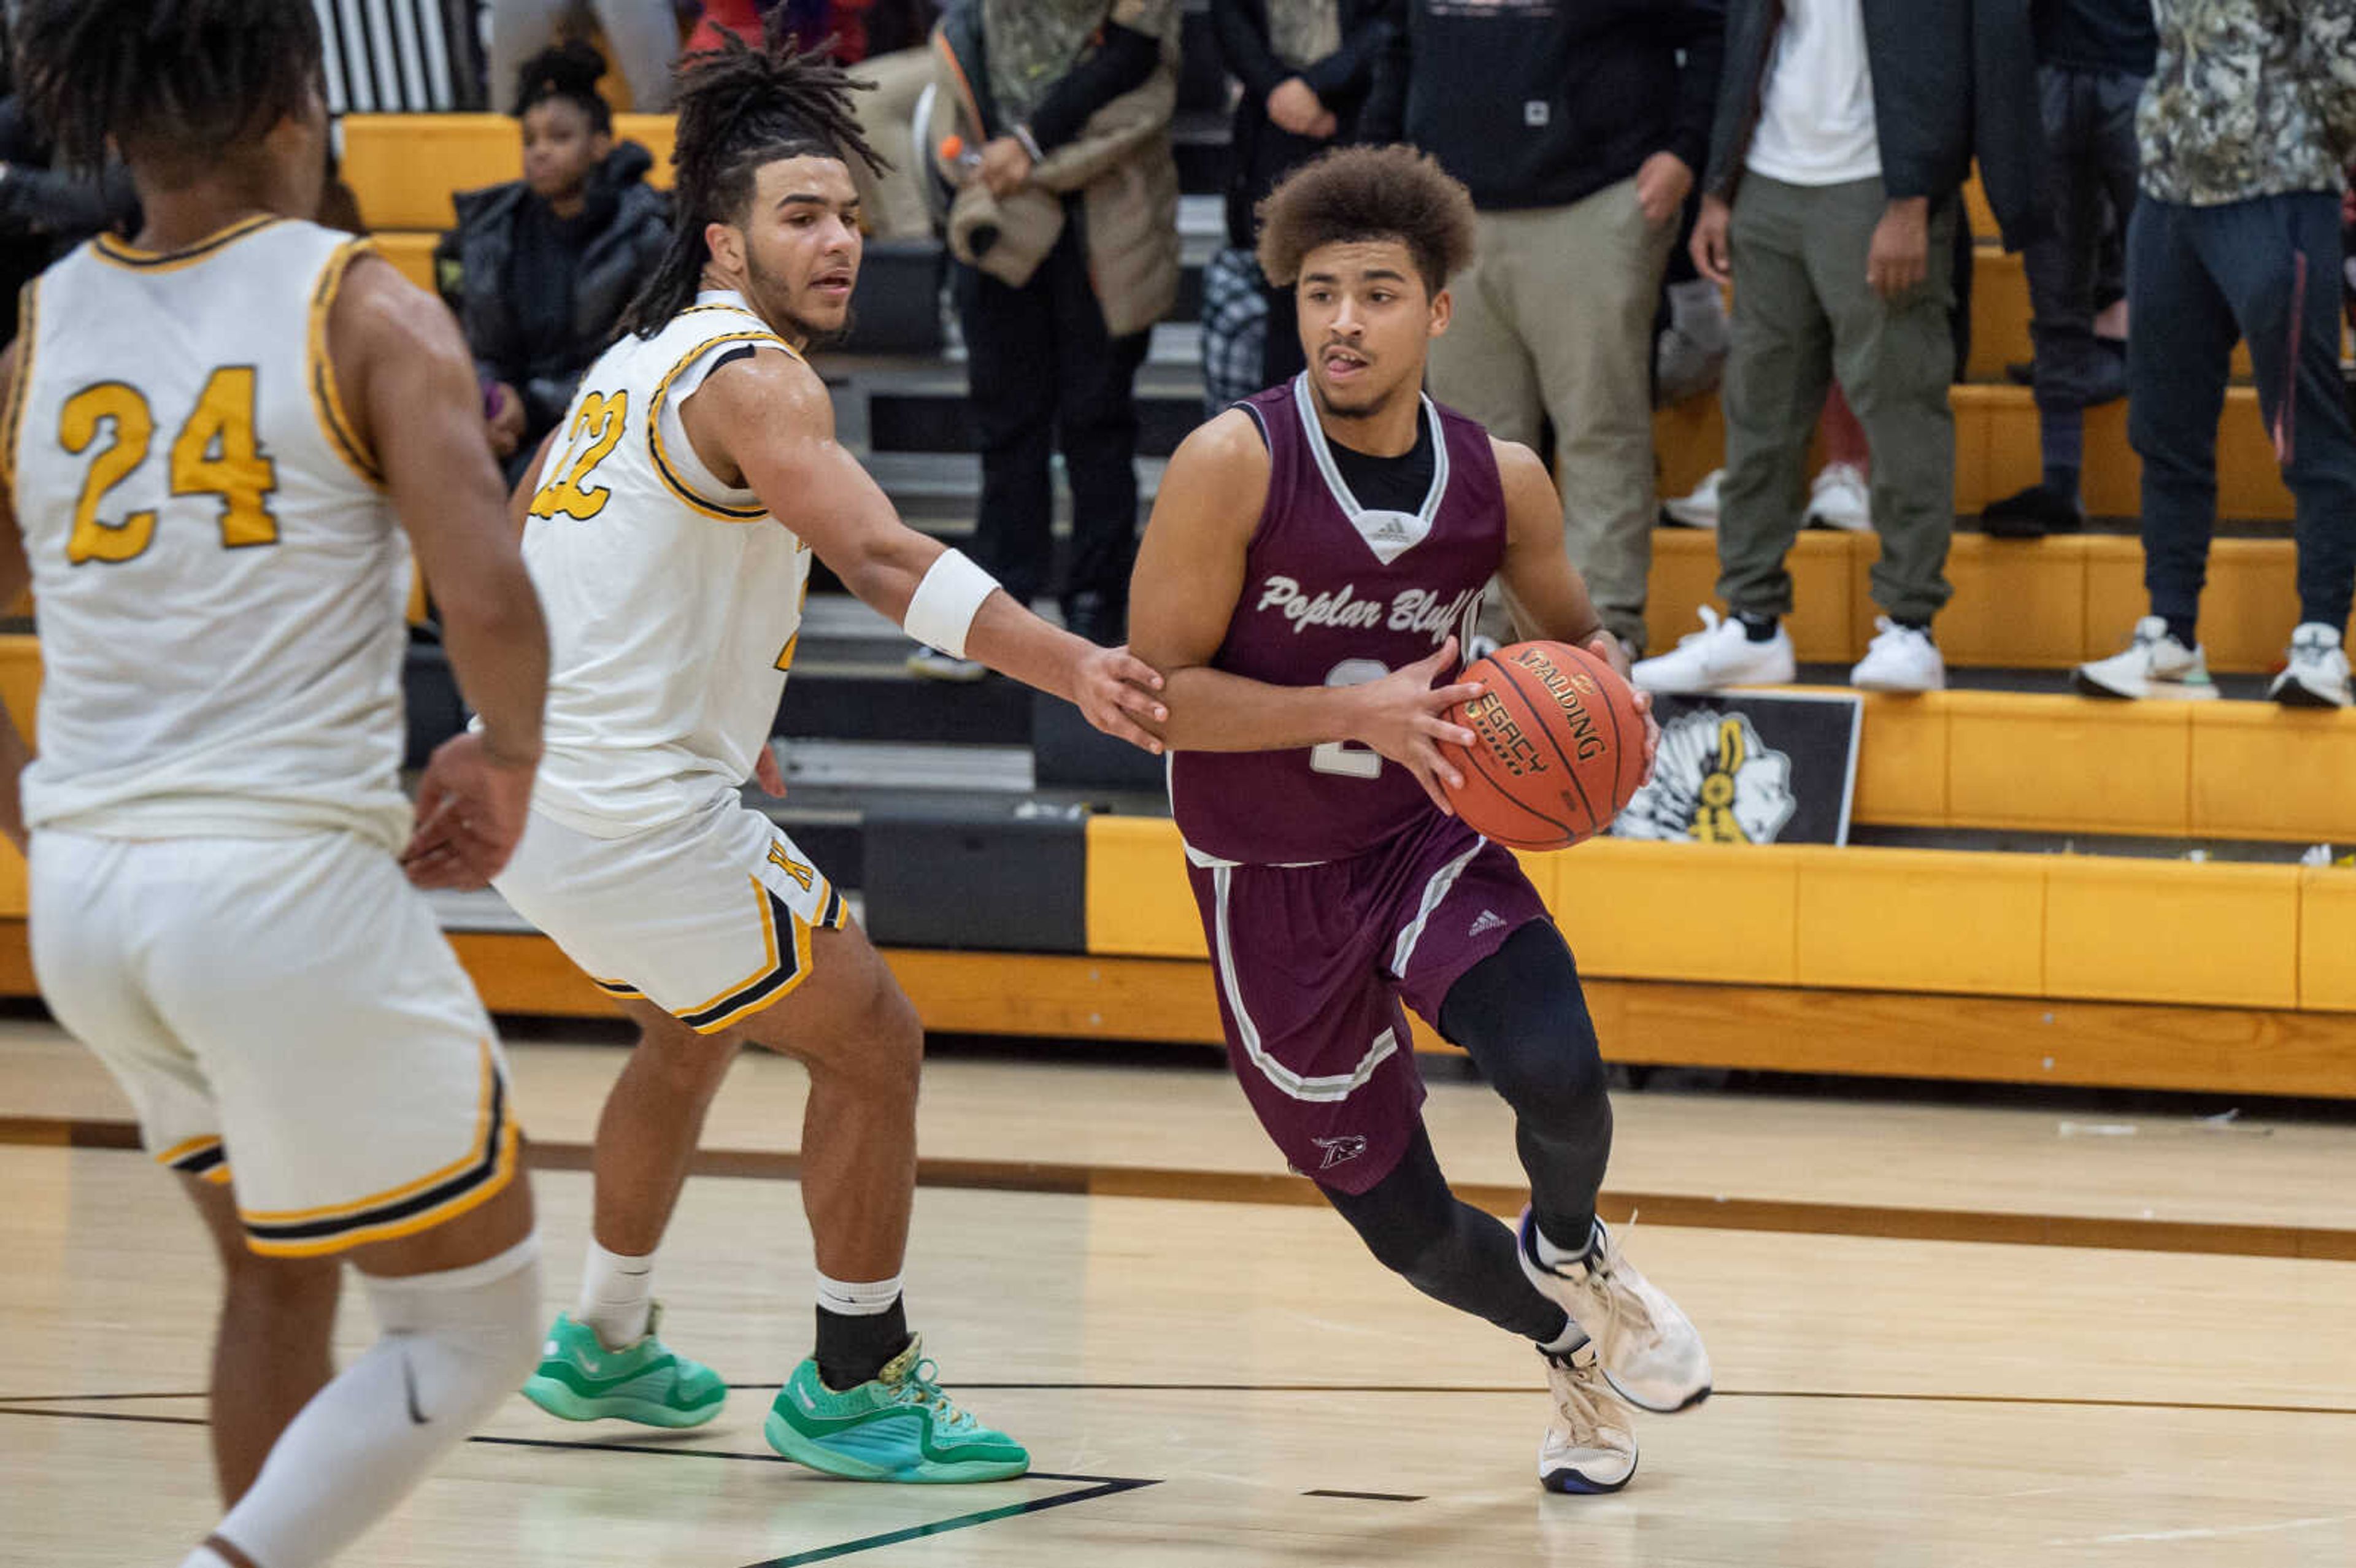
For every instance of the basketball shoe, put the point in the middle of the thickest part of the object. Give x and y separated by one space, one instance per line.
648 1382
1648 1350
899 1426
2154 665
1589 1446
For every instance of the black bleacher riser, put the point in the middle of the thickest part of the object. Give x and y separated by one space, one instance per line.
1000 875
886 705
941 422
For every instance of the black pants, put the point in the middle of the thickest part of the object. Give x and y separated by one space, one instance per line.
1041 369
1521 1016
2265 271
2092 164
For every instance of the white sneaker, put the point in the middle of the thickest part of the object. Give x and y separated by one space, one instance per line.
2318 676
1699 510
1648 1350
2154 665
1589 1444
1840 499
1899 658
931 664
1721 654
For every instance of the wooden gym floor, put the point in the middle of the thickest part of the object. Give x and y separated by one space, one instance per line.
1943 1336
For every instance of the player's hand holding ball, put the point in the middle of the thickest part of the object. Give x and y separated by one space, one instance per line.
471 803
1612 651
1405 719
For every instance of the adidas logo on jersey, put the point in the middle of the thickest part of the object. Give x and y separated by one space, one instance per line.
1488 919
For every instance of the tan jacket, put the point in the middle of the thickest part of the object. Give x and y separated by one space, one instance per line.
1121 167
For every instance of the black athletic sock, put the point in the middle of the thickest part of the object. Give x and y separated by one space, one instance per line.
2063 480
2183 630
1758 628
1921 627
851 1349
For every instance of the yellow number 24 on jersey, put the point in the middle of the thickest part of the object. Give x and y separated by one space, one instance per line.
214 455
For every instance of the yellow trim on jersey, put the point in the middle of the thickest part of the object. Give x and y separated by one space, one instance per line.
326 398
27 314
680 487
115 253
186 1146
615 988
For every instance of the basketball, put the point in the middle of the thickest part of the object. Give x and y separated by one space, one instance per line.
1560 746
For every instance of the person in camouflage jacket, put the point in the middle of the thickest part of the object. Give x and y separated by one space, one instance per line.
2246 127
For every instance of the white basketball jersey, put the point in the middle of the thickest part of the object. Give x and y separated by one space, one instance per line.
218 579
673 601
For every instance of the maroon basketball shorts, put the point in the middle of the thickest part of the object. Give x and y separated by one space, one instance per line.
1313 964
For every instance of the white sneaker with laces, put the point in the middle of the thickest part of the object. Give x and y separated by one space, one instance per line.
1699 510
1899 658
2318 675
1648 1350
1589 1444
2154 665
1721 654
1841 499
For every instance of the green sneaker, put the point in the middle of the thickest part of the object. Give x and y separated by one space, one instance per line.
648 1382
900 1427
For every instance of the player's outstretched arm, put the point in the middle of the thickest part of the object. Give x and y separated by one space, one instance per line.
1188 582
768 418
404 372
1547 596
16 574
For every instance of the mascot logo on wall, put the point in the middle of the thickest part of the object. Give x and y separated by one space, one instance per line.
1716 782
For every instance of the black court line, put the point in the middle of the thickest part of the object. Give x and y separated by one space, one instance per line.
1363 1497
1105 1488
94 1398
1093 1487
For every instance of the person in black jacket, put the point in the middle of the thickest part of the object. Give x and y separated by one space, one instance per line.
1580 127
1312 72
539 270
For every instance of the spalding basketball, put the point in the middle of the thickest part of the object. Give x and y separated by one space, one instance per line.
1559 747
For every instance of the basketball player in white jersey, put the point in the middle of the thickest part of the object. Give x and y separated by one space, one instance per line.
215 435
670 524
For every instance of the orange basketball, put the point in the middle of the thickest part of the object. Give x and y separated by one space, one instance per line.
1560 746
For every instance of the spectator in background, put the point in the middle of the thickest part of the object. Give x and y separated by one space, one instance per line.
539 270
2092 59
1843 132
1579 128
1064 235
642 33
1311 70
2247 126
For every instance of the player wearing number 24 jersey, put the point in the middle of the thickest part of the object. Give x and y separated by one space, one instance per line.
670 524
218 434
1315 557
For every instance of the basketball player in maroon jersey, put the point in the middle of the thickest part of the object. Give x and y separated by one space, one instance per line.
1314 556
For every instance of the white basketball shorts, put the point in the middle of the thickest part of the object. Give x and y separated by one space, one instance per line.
287 1017
708 918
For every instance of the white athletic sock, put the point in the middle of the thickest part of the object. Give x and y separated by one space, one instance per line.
617 1296
451 1347
859 1298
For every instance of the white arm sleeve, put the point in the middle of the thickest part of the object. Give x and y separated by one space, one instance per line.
942 610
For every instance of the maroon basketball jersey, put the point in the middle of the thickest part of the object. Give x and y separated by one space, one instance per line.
1335 594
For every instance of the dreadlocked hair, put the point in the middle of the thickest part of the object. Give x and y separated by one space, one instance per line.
568 73
175 84
741 106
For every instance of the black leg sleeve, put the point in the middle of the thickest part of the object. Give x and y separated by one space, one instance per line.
1521 1016
1447 1249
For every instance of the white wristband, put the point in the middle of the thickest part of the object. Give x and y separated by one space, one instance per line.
942 610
